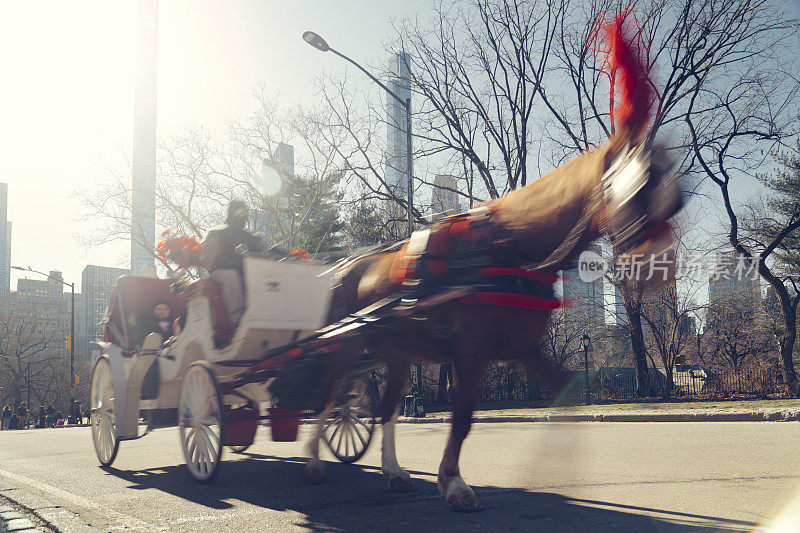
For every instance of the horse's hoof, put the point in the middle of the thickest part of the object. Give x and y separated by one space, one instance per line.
401 482
315 472
461 498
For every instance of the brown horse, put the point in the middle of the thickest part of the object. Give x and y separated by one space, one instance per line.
614 190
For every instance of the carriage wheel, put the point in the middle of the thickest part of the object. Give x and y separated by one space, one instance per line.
104 430
350 428
200 422
243 448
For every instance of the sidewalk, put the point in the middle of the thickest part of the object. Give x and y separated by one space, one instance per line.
598 414
13 521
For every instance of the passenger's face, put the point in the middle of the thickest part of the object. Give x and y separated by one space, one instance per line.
161 311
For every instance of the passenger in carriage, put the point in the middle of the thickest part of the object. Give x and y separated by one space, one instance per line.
220 254
164 319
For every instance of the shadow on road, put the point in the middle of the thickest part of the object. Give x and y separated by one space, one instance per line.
356 498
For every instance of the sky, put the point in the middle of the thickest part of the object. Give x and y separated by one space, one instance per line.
66 101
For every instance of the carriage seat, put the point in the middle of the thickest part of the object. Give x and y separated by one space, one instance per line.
132 301
220 318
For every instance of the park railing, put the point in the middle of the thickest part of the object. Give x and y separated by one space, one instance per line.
508 386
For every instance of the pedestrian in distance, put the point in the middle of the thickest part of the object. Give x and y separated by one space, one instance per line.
50 416
5 417
42 422
22 416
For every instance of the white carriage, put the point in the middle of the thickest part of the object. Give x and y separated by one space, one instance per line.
213 376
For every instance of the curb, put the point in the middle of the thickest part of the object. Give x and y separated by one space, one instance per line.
13 521
753 416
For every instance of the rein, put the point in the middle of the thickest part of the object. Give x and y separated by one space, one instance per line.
563 250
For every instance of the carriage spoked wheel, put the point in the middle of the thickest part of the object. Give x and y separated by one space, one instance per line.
103 415
200 422
349 430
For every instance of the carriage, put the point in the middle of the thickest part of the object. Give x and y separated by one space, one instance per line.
211 377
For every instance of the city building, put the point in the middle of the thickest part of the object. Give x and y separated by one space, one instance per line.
143 226
620 315
276 201
49 303
5 242
445 196
96 285
396 171
585 300
734 276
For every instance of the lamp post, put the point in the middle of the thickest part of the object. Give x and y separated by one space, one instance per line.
586 346
71 320
319 43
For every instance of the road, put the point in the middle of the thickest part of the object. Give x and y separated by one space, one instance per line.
665 477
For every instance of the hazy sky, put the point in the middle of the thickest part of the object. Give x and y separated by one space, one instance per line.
66 100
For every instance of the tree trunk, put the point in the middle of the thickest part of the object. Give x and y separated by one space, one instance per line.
534 387
643 387
670 383
787 367
445 374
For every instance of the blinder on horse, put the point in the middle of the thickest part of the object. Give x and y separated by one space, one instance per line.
640 195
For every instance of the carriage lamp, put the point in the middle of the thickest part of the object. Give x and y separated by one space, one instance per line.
586 346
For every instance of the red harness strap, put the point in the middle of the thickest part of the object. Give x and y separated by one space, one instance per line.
510 299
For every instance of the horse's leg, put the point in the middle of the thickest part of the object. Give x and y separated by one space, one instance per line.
339 365
457 493
398 479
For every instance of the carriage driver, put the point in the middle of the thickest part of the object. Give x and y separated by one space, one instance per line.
225 264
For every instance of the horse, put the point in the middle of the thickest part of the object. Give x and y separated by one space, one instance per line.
621 189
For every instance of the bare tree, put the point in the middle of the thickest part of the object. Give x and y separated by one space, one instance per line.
737 331
28 360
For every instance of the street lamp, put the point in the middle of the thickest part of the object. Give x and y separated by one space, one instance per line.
586 346
71 321
320 44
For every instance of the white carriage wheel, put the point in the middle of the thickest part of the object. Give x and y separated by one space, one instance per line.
350 428
103 414
200 422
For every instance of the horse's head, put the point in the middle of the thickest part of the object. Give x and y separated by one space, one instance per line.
640 195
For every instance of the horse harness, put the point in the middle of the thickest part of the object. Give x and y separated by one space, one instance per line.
462 251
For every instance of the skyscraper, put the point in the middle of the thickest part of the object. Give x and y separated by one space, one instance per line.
96 285
143 227
274 195
46 302
284 158
585 299
397 142
445 196
5 242
733 275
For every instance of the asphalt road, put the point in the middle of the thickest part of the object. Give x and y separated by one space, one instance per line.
665 477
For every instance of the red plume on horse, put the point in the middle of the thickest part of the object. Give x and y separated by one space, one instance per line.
508 253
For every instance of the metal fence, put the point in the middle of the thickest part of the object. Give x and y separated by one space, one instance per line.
757 382
507 386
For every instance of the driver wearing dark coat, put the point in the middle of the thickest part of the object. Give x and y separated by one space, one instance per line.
225 264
